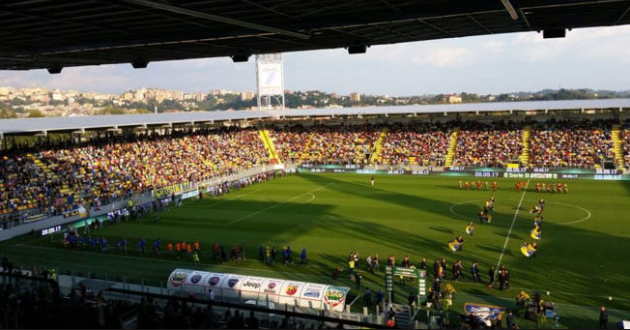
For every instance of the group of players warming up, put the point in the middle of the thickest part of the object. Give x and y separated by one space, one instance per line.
485 215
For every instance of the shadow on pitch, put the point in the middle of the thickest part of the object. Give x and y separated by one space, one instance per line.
421 203
442 229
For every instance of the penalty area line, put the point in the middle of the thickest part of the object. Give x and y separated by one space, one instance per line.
507 237
311 192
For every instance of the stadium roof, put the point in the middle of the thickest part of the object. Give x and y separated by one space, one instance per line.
49 124
59 33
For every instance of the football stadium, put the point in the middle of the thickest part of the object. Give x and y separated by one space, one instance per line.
473 215
314 197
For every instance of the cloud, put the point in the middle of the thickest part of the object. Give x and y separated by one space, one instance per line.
588 43
445 57
591 57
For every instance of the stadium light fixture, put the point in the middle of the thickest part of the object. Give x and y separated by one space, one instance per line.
243 57
510 9
139 64
554 33
357 49
55 69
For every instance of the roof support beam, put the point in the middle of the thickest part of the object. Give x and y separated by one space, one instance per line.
529 26
472 18
216 18
622 16
510 9
435 27
572 4
271 10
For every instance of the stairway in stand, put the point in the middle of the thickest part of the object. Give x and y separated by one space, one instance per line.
378 147
617 140
452 148
265 136
524 157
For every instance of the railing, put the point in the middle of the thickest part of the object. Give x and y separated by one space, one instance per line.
266 308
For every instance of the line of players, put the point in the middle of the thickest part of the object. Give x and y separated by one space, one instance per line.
542 187
477 185
179 249
528 249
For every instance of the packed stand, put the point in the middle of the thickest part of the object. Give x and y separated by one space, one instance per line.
577 144
415 144
59 179
488 144
626 144
341 145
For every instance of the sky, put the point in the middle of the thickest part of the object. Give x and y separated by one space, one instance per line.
597 58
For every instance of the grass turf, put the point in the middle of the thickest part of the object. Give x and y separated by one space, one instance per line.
582 259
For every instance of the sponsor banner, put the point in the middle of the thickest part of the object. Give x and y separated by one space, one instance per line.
167 191
292 289
177 278
252 284
290 293
341 169
311 295
543 174
313 291
34 218
51 230
335 298
214 279
119 212
510 175
79 211
485 174
190 194
233 282
485 313
614 177
272 286
195 278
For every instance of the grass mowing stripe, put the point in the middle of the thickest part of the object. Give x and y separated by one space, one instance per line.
276 205
507 237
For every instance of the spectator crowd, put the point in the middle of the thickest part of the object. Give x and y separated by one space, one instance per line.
626 143
567 143
54 179
90 174
488 144
321 144
415 144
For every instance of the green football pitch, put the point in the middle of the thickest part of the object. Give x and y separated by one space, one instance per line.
583 258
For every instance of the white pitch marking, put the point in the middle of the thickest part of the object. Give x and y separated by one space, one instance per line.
571 222
237 197
278 204
586 218
507 238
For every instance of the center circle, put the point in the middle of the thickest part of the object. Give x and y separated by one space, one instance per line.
586 217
